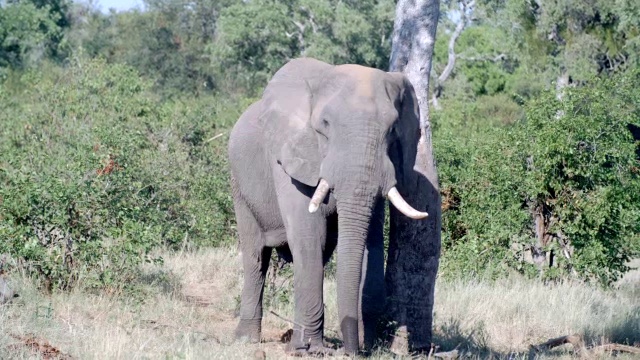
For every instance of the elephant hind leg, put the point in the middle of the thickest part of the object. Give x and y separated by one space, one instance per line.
285 253
255 261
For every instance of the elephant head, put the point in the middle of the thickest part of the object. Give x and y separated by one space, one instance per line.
351 130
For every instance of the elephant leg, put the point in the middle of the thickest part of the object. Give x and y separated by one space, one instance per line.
373 291
308 275
255 261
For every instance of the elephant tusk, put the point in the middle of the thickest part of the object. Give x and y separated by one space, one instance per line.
319 195
398 201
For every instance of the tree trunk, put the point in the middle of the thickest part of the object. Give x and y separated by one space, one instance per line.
414 246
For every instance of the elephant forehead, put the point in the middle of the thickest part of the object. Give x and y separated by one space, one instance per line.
364 80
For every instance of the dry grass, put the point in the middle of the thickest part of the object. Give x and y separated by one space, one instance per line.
506 317
186 309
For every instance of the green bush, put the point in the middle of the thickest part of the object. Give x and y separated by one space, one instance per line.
570 164
29 33
95 174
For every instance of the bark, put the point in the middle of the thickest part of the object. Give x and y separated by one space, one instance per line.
561 83
414 246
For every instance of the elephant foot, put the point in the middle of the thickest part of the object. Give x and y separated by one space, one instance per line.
312 351
248 330
313 346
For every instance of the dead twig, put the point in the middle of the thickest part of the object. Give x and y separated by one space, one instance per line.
302 328
215 137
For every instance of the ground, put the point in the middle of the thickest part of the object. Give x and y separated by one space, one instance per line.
186 310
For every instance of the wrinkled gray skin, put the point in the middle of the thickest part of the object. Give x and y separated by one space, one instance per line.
355 127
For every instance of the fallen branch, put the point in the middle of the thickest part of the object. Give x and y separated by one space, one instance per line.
579 347
616 347
575 340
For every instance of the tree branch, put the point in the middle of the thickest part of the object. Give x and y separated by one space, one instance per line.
451 61
300 35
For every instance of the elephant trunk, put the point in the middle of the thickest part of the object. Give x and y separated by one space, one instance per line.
354 217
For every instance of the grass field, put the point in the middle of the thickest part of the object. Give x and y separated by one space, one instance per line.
185 310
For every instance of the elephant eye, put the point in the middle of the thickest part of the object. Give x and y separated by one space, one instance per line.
323 128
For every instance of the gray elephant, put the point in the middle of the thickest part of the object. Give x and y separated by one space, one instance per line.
311 165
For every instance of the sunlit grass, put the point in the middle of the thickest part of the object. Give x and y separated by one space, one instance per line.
186 307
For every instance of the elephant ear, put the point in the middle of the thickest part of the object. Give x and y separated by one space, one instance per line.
300 156
286 119
406 104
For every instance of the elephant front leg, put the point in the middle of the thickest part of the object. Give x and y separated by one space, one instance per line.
308 275
255 263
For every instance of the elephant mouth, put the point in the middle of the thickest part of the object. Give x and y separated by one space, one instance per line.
393 195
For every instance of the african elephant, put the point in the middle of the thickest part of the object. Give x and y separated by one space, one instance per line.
311 164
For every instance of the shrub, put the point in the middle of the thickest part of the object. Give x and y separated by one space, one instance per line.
95 174
560 186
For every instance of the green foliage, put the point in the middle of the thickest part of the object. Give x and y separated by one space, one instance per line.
481 60
583 174
166 43
95 174
253 52
581 38
256 38
233 46
28 33
572 163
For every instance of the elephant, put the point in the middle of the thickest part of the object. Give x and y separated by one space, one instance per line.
312 162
